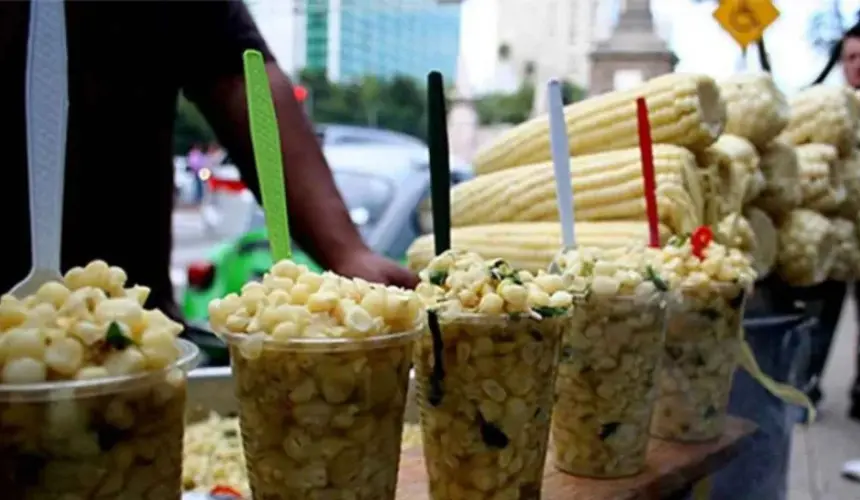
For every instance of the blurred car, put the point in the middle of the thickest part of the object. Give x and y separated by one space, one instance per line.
336 135
183 181
386 189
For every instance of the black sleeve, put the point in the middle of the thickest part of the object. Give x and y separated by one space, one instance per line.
216 34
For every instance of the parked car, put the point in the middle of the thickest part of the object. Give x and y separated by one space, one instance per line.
385 188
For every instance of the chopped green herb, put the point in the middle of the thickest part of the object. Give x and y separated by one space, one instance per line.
492 436
710 412
652 276
115 338
607 430
438 277
587 268
550 312
567 353
711 314
678 241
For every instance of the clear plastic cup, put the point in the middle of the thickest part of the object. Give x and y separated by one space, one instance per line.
486 409
118 437
703 343
607 385
322 417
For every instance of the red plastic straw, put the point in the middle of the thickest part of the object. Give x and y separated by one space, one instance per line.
647 156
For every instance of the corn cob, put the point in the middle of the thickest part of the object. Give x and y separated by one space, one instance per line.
685 110
606 186
734 231
779 165
739 179
821 186
823 114
849 170
846 264
756 109
533 245
807 246
764 254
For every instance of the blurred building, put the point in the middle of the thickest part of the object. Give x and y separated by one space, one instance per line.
353 38
552 37
632 54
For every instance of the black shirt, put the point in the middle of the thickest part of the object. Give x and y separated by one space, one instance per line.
127 62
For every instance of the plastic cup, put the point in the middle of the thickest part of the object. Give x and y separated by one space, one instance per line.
606 386
322 417
118 437
485 410
703 342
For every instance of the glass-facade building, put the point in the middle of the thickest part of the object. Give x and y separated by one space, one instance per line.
353 38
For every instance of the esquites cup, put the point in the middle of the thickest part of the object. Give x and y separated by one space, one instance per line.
321 368
118 437
485 410
607 384
485 374
703 342
322 418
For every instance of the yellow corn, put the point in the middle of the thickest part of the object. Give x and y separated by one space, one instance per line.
823 114
821 185
756 109
779 165
531 246
807 245
849 171
764 253
739 179
684 109
735 231
606 186
846 264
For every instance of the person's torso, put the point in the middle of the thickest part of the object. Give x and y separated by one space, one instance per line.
124 78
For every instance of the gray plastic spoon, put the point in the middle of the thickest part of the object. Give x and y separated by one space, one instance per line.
47 111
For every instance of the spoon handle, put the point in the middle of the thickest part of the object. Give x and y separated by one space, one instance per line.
561 163
46 101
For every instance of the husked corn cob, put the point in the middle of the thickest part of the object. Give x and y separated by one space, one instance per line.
756 109
739 179
606 186
807 244
531 246
779 165
846 263
823 114
684 109
764 253
849 170
820 183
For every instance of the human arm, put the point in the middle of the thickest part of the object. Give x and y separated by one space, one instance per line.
319 219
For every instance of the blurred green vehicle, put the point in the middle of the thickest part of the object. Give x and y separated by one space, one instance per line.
386 189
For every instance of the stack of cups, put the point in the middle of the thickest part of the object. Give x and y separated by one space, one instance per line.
609 366
485 374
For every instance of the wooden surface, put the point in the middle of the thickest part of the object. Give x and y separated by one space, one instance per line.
671 468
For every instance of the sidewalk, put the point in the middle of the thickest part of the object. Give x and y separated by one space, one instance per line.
820 450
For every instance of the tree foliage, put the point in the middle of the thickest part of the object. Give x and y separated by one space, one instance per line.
398 104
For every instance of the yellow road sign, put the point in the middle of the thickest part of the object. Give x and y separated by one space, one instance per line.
746 20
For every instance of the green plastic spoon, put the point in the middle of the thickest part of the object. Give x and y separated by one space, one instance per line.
267 153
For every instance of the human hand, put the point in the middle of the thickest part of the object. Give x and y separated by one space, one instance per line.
375 268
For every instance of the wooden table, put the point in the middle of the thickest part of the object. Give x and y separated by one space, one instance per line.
671 468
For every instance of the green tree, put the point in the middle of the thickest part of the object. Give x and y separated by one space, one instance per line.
190 127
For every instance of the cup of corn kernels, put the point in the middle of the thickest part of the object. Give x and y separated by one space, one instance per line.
92 391
485 372
321 365
609 365
703 340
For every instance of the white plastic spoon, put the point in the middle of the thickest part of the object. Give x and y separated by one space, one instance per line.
47 110
561 164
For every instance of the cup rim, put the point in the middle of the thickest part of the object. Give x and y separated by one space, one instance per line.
325 344
188 360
